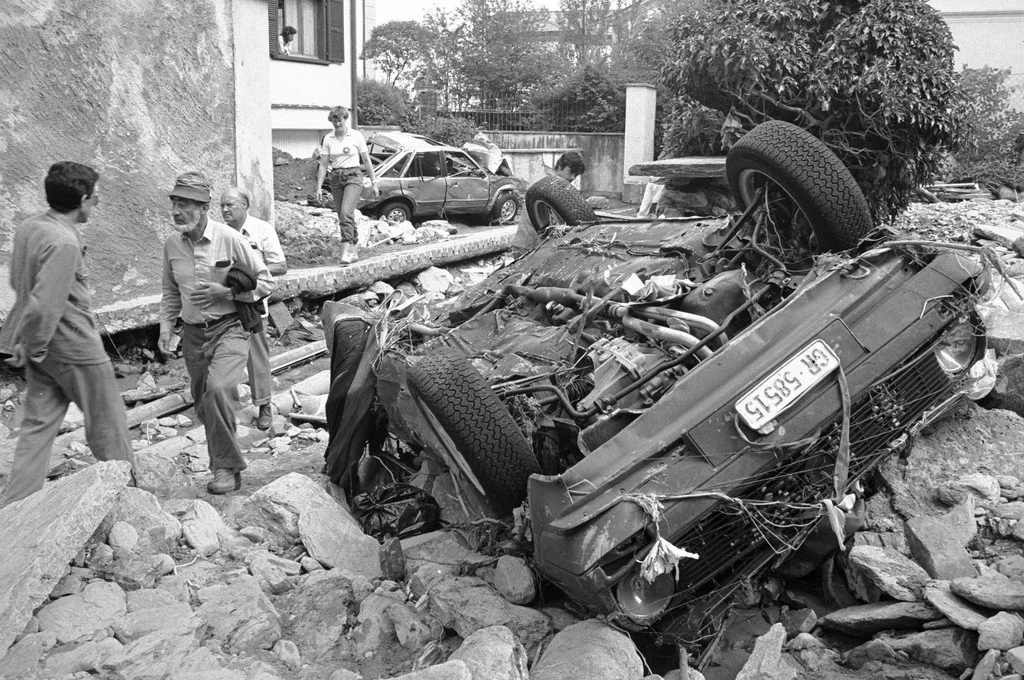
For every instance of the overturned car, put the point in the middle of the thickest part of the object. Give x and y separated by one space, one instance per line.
677 404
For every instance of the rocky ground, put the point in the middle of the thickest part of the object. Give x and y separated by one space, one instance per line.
279 580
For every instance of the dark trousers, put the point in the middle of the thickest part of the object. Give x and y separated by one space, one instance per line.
215 358
258 367
346 186
52 385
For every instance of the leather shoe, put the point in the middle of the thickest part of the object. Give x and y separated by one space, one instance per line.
225 480
265 418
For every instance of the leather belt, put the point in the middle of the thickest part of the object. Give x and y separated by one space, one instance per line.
206 325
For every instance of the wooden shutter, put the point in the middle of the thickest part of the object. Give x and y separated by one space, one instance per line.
272 16
336 31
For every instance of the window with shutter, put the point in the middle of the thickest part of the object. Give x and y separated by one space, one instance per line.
336 31
308 20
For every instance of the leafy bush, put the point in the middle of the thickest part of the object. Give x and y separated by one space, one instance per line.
992 153
588 101
873 79
382 104
445 129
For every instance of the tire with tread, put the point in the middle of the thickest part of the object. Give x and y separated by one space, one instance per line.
498 206
394 206
482 429
560 196
813 177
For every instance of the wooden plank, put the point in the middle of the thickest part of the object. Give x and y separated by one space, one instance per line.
693 167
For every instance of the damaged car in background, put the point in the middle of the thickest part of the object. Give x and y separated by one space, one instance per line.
422 178
670 407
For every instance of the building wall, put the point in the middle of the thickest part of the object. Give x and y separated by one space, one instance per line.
142 91
254 161
533 154
986 32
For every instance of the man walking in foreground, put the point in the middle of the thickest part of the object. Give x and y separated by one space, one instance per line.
51 331
234 207
200 260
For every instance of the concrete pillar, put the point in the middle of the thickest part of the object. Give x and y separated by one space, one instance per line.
254 163
641 99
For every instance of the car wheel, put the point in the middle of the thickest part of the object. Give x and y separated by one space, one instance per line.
506 209
796 168
479 425
395 212
551 201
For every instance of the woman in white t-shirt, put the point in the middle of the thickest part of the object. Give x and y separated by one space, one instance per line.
341 153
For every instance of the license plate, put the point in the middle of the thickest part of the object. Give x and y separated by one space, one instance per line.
773 395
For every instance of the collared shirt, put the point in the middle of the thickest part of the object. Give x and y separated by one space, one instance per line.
263 239
51 313
344 152
188 263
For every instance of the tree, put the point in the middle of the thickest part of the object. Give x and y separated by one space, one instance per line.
873 79
441 60
585 26
382 104
395 47
589 100
499 59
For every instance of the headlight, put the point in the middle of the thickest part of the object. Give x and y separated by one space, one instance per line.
644 601
956 350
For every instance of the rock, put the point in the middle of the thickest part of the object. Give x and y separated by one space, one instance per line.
24 656
993 593
438 548
311 565
277 507
147 598
951 649
376 630
67 585
813 653
936 545
142 510
958 610
872 651
767 662
42 533
466 604
176 618
1003 631
1011 566
514 580
157 656
87 657
797 621
872 618
449 670
134 571
1016 658
288 653
493 653
79 616
334 539
434 280
272 570
589 650
162 477
414 629
123 536
318 609
202 527
890 571
240 615
986 666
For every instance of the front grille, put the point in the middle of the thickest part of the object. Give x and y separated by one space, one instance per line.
731 535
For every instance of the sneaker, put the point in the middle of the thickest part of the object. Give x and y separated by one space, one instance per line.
265 417
225 480
349 253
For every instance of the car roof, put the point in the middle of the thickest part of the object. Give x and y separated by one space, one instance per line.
402 141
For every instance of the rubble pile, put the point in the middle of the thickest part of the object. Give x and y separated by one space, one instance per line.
282 580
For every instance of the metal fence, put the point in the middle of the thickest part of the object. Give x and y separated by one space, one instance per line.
556 117
1015 84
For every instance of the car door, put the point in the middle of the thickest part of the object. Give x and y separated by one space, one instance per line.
424 182
468 184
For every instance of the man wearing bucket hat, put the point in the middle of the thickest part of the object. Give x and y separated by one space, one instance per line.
197 259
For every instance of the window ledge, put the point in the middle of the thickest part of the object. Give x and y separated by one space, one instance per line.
301 60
